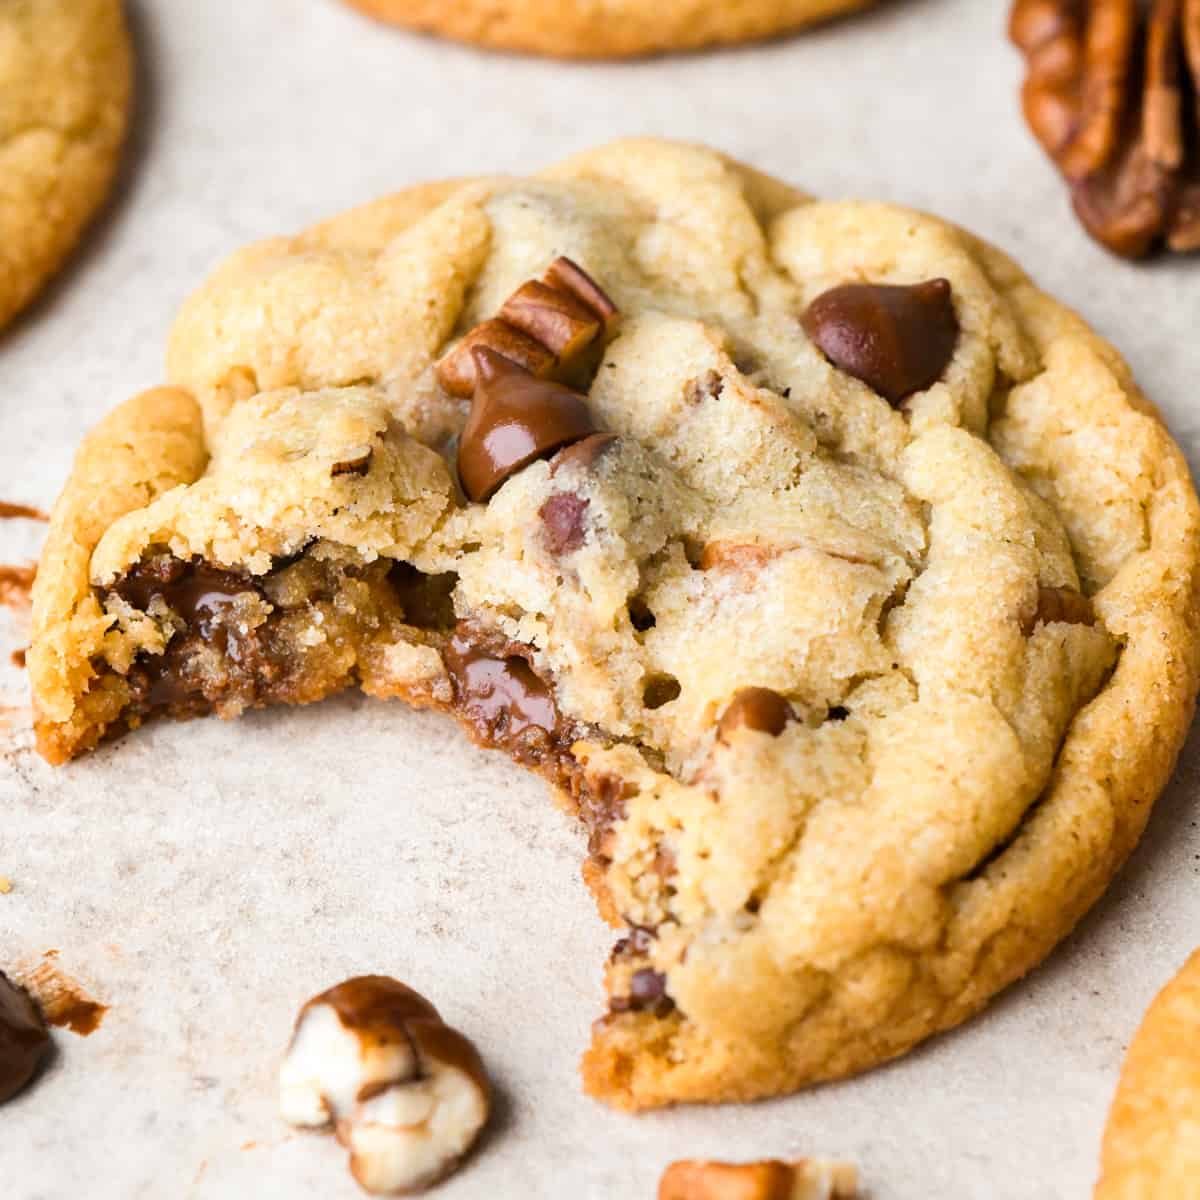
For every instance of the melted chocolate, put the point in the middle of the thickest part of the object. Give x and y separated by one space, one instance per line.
584 454
196 591
384 1011
564 522
24 1038
499 696
647 993
376 1005
200 595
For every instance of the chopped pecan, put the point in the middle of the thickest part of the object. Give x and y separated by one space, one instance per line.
545 326
770 1179
1112 92
456 372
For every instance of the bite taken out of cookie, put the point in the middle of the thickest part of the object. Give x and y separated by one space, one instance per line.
838 580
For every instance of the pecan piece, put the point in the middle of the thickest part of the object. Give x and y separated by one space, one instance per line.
545 326
771 1179
1112 92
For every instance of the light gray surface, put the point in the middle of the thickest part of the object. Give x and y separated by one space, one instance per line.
206 878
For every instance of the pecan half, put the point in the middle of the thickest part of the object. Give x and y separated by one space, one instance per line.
547 326
1112 92
769 1179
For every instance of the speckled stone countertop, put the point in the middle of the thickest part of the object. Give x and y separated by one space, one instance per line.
205 879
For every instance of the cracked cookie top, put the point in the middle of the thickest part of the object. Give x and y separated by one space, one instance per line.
66 74
843 581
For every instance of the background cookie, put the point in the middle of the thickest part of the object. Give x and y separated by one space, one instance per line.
605 28
66 75
1152 1143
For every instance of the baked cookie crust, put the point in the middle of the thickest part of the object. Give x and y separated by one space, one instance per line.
605 28
66 79
1152 1141
974 606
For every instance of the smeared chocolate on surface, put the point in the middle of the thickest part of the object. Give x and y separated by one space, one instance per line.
64 1002
16 585
25 511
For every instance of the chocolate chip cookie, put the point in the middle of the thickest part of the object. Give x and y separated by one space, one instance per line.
1152 1142
66 75
842 583
612 29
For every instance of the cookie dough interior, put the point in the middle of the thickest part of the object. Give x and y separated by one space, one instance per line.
974 606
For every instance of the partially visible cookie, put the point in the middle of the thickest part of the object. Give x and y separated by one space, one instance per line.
1152 1143
66 76
605 28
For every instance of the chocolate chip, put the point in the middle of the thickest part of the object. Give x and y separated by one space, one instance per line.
647 987
637 942
896 339
647 993
563 522
602 803
659 690
708 386
583 454
640 616
837 713
515 419
757 708
500 697
24 1038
